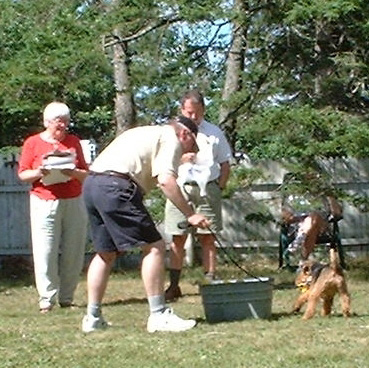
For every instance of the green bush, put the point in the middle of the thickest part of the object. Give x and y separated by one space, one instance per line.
5 151
303 133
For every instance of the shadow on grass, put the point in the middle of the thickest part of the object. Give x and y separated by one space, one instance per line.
133 301
16 271
278 316
357 315
126 301
273 317
284 286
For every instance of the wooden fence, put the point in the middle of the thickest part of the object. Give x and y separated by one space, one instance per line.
14 209
351 175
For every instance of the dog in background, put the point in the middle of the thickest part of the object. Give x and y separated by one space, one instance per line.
318 281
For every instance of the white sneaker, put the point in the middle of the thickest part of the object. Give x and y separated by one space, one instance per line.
168 321
91 323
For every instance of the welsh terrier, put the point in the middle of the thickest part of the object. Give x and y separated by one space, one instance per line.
318 281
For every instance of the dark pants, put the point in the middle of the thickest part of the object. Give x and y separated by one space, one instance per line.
118 218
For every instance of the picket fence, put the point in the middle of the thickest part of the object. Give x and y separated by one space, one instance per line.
349 174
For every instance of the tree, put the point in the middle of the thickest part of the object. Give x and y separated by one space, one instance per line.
280 53
235 66
163 57
66 51
50 51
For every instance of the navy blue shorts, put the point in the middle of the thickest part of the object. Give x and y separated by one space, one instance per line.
118 218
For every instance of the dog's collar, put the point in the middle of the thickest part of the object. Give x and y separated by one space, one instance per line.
305 286
316 269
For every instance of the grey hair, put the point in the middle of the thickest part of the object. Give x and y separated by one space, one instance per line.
55 110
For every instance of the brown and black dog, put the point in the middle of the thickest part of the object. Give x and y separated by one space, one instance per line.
318 281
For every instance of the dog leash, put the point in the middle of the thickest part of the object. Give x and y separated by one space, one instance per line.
185 225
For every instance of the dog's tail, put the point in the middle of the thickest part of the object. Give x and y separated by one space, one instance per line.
334 259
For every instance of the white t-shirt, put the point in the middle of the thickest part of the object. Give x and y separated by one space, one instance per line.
213 150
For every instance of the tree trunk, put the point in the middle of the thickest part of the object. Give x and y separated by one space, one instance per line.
234 69
124 105
318 52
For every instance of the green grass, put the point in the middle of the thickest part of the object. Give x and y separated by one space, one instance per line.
28 339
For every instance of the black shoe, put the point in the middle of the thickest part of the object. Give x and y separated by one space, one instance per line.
173 293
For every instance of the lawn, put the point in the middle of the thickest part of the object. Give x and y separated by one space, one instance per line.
28 339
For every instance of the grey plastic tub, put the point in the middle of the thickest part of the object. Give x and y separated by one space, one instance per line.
234 300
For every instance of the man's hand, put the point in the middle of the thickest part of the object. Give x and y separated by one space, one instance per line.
199 220
188 157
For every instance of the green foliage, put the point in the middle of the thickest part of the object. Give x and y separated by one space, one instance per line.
5 151
240 177
303 90
155 202
301 138
97 123
52 53
303 133
162 71
309 53
331 10
263 217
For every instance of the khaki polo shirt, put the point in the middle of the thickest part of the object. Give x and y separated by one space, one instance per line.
144 153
